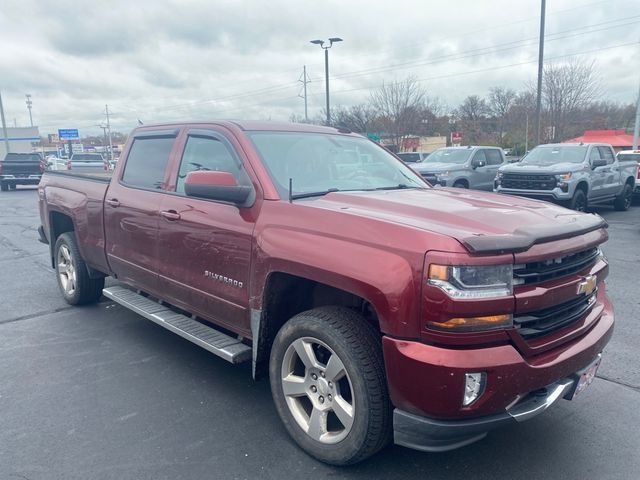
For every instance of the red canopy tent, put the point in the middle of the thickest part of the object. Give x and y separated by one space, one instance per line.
616 138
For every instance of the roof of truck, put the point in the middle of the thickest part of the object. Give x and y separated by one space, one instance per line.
257 125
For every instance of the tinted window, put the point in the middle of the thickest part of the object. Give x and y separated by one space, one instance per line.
206 153
147 161
493 157
605 152
409 157
480 156
594 155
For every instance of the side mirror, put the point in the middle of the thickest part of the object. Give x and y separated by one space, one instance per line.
600 162
216 186
476 162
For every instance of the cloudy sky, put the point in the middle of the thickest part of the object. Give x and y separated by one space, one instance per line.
173 60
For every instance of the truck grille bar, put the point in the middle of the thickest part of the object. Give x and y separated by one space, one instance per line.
519 181
537 272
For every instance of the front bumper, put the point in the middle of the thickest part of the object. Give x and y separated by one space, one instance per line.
426 384
432 435
555 195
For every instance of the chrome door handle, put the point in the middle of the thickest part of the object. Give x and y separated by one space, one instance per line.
170 215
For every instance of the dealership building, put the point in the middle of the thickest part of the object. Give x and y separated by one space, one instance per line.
21 140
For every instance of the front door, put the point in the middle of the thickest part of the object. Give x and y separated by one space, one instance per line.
131 210
481 178
598 175
205 245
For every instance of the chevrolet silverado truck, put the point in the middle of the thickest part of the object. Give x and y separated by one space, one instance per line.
381 309
20 169
572 174
462 167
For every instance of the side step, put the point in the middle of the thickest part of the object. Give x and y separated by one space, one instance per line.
216 342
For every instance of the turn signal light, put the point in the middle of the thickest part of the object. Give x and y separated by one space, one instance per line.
470 324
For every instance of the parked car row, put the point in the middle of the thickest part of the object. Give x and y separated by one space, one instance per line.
573 175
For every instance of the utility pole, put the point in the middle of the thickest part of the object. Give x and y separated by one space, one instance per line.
4 127
526 135
304 79
106 111
104 132
636 128
540 64
29 103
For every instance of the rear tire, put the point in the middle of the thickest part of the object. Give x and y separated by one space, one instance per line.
12 186
338 379
579 201
622 203
4 187
76 286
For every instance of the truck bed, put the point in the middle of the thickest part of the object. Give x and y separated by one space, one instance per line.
81 197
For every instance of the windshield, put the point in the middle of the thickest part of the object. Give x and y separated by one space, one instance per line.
318 162
449 155
629 156
555 154
409 157
92 157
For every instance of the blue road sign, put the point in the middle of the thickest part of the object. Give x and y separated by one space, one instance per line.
68 134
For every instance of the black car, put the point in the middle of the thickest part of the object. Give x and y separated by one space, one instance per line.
20 169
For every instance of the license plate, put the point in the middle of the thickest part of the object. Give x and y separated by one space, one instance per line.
586 377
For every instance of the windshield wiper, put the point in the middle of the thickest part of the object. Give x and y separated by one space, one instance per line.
296 196
400 186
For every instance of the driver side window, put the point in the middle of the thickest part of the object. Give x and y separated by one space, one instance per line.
209 154
594 154
480 157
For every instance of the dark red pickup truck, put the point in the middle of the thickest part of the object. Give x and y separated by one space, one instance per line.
380 308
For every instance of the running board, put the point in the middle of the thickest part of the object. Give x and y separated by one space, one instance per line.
218 343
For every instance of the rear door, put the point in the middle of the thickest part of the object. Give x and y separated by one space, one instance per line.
612 182
205 245
597 189
132 206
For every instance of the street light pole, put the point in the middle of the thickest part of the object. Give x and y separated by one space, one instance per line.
29 103
540 64
326 68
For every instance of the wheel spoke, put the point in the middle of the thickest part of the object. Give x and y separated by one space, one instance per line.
344 411
335 369
294 386
62 267
65 254
306 353
317 424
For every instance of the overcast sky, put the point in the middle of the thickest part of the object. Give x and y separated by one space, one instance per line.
175 60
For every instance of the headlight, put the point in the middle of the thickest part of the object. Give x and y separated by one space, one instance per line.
472 281
564 177
499 176
443 175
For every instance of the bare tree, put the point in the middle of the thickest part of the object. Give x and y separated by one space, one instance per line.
500 102
473 111
361 118
566 89
400 107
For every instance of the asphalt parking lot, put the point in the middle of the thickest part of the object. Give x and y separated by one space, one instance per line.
98 392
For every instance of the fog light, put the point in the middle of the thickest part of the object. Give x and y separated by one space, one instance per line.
473 387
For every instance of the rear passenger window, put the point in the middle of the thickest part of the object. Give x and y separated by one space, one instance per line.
147 161
493 157
606 153
208 153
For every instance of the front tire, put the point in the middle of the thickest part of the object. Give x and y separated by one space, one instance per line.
579 201
4 187
76 286
622 203
328 385
461 184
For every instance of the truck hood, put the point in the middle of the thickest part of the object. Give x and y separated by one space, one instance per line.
482 222
556 168
437 167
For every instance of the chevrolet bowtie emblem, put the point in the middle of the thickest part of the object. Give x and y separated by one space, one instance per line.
588 285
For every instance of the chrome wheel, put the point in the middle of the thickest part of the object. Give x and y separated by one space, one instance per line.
66 270
318 390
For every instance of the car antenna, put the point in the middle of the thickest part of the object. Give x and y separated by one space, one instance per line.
290 190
